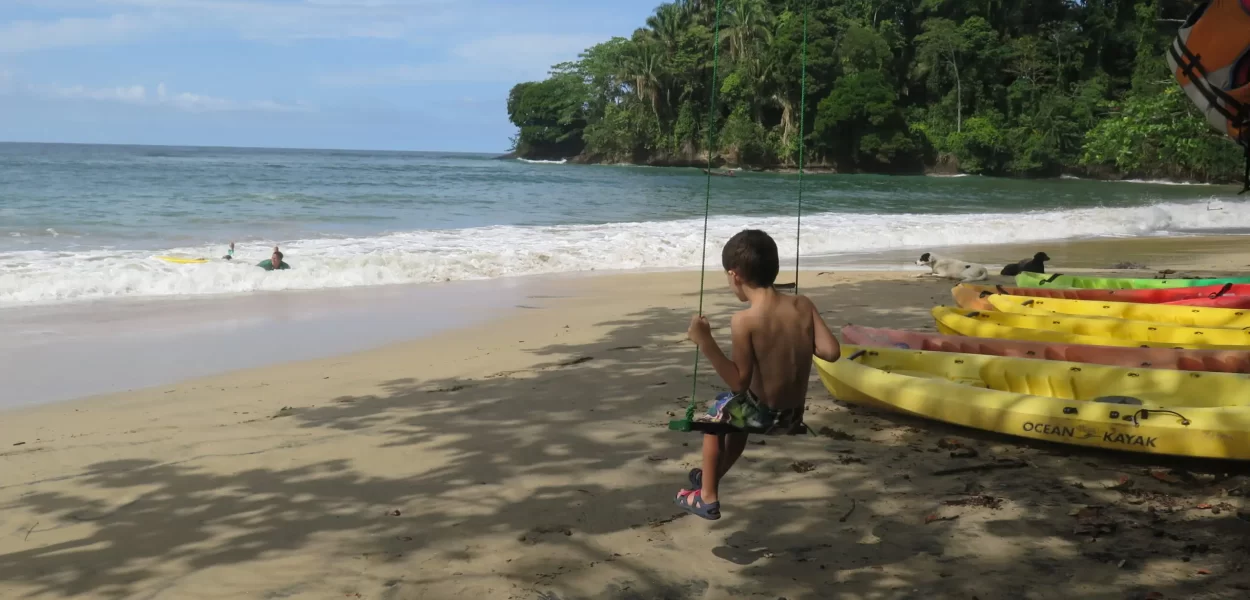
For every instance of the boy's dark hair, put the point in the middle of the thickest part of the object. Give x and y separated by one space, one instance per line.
752 254
278 253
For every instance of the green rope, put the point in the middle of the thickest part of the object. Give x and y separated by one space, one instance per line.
798 228
684 425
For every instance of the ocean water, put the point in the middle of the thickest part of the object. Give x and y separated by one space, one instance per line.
80 223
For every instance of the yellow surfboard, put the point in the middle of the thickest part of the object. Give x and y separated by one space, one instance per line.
180 260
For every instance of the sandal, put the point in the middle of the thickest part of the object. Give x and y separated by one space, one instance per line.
692 502
696 478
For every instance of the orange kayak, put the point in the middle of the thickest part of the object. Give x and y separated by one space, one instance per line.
972 297
1222 361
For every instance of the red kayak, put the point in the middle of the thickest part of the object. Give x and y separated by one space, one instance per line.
1222 361
1213 296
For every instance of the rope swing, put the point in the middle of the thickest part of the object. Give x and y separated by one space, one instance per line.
688 423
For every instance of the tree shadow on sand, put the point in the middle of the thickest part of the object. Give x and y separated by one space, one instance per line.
556 482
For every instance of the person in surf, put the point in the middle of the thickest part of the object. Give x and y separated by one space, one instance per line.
273 262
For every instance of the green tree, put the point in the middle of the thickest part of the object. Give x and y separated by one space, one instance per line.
626 132
859 123
599 68
982 146
551 116
643 69
863 49
940 52
1001 87
785 54
743 140
747 25
1161 135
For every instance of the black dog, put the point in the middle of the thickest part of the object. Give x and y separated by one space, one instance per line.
1037 264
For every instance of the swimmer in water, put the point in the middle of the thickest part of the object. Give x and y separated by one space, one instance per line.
230 253
273 262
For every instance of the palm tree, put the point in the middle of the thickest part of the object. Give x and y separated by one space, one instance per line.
700 11
747 23
942 46
759 72
782 96
667 25
644 67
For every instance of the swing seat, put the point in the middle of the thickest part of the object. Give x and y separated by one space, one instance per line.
725 428
741 413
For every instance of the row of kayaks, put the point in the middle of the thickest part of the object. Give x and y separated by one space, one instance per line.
1091 361
1059 280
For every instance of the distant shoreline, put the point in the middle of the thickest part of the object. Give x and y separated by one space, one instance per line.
828 170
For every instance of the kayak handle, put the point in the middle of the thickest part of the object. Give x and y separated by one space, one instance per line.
1145 414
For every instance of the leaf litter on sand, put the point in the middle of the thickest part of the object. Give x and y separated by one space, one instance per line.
1092 521
949 444
982 501
802 466
835 434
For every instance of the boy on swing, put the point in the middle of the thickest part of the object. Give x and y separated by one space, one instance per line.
774 340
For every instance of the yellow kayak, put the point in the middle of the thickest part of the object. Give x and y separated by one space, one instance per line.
1068 329
180 260
1188 316
1154 411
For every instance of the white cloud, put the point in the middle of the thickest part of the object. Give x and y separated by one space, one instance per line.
134 94
193 102
25 36
504 58
273 20
162 97
526 49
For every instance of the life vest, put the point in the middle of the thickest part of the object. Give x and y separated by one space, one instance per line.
1210 59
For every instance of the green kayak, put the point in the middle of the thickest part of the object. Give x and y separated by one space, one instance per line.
1058 280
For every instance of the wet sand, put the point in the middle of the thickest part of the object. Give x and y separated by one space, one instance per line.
61 352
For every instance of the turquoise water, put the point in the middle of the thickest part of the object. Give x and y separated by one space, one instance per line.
86 222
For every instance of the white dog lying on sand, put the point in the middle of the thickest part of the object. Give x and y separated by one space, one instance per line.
952 268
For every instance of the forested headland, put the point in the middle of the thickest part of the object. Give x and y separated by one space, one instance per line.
1024 88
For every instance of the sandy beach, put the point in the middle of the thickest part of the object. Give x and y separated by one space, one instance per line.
526 456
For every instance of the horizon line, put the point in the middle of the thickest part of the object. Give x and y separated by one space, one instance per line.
223 147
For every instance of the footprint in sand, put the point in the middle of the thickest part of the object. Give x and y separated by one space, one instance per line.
531 536
802 466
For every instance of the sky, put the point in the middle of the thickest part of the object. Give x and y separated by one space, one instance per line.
350 74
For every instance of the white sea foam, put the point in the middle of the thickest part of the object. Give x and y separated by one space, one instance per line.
1163 182
544 162
489 252
1145 181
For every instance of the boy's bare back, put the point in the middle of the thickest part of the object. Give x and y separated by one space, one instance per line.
773 340
782 331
